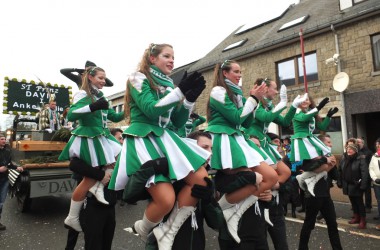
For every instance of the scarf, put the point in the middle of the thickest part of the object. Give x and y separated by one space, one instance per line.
160 78
54 120
164 82
235 88
238 97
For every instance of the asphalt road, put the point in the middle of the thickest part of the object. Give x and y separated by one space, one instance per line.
42 228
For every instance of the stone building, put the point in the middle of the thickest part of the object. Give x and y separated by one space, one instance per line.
338 35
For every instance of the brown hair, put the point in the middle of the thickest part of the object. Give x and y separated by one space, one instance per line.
219 81
311 106
144 68
267 81
86 84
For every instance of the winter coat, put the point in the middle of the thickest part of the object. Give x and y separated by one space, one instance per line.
359 175
374 168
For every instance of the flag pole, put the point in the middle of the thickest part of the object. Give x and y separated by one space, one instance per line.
303 61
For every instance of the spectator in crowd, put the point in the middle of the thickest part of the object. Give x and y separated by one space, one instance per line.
286 145
5 164
65 123
374 172
364 150
50 117
353 179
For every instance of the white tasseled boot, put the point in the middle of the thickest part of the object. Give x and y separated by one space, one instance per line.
141 228
166 232
310 182
98 189
72 220
233 213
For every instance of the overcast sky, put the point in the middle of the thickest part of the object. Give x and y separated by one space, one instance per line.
40 37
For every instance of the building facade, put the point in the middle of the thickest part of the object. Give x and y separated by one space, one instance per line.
338 36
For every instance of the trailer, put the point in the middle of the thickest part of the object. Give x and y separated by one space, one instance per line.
43 174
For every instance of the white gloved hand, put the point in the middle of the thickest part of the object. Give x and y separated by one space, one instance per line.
298 100
49 130
283 94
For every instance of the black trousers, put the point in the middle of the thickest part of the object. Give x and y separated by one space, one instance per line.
326 206
358 205
72 237
98 224
368 195
278 231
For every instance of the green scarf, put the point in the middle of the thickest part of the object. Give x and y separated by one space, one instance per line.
160 78
269 104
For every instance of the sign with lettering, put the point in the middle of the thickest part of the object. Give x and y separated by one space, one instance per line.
27 98
51 187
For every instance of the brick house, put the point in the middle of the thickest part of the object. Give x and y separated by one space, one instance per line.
348 28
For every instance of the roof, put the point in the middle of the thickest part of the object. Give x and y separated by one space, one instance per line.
178 73
266 36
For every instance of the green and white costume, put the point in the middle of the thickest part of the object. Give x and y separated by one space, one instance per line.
190 126
263 117
230 148
148 137
91 140
305 145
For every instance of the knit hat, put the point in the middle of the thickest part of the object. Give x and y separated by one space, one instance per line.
353 146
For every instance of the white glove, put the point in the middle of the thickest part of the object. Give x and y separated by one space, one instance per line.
298 100
283 99
49 130
283 94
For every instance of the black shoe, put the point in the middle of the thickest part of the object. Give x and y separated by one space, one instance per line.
302 210
2 227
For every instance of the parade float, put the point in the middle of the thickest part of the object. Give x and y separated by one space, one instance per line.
35 150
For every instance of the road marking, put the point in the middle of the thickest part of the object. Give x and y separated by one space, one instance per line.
339 228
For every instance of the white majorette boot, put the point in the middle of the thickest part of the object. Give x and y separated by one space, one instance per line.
141 228
233 213
166 232
72 220
310 182
98 191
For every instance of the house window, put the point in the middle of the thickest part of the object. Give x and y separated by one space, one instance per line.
290 72
235 45
375 41
358 1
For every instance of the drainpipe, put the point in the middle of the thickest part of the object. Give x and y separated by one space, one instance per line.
339 69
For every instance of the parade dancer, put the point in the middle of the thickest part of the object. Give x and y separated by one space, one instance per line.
152 102
306 146
232 153
264 115
91 141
